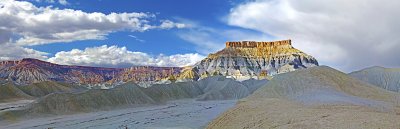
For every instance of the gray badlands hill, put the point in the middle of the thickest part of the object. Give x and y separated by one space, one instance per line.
314 98
47 87
9 92
12 92
131 95
221 88
387 78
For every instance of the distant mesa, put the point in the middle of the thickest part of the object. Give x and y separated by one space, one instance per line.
240 60
250 59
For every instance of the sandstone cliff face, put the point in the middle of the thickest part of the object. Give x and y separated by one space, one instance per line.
250 59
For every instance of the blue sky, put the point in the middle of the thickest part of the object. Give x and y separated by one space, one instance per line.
338 33
205 12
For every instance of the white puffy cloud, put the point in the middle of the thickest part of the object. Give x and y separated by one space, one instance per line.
63 2
345 34
167 24
114 56
32 25
12 52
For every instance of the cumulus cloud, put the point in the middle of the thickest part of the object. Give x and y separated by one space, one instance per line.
32 25
167 24
63 2
114 56
345 34
13 52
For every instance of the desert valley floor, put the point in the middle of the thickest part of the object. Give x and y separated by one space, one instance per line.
180 114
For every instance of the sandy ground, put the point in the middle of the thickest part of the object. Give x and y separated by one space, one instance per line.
181 114
14 105
272 113
314 98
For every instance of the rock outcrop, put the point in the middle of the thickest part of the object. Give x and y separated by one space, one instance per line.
250 59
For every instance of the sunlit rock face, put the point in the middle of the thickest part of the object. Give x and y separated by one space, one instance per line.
251 59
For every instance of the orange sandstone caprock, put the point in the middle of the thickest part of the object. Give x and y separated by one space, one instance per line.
254 44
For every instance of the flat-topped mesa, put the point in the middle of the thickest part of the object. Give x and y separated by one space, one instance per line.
255 44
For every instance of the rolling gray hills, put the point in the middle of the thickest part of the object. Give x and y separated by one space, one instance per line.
11 92
317 97
387 78
131 95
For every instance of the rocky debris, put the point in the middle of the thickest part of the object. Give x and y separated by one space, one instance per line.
386 78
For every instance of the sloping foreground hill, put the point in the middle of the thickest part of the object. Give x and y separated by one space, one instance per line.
131 95
11 92
221 88
318 97
47 87
387 78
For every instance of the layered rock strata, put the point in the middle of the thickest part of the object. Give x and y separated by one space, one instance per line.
251 59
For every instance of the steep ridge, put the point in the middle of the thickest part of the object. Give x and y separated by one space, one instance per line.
318 97
387 78
250 59
28 71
